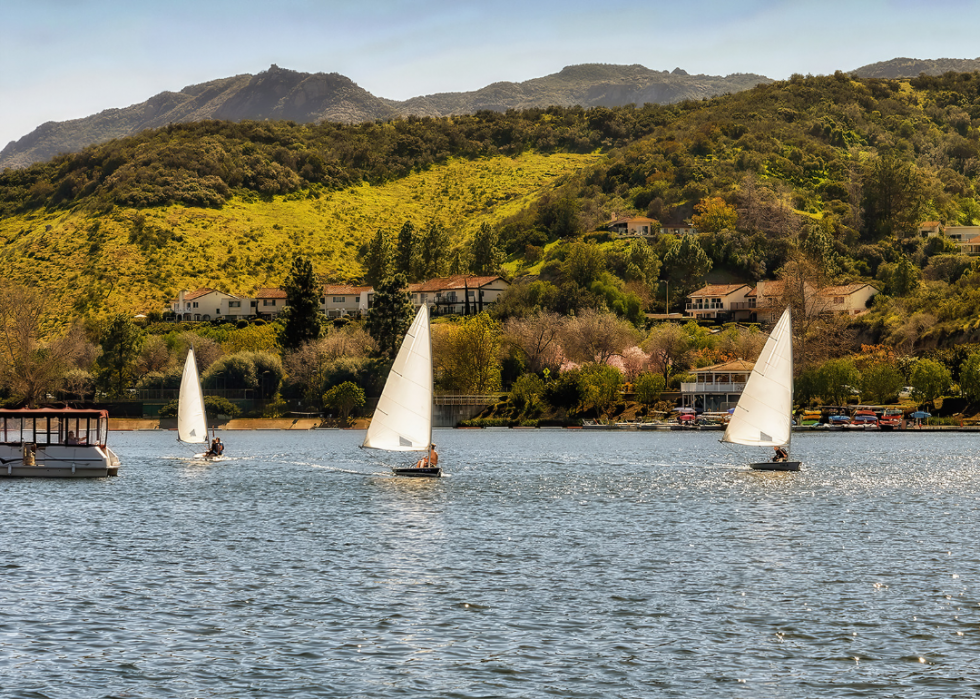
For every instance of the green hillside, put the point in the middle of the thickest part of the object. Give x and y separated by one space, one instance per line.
131 259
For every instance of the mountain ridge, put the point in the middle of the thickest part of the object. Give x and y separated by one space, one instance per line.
279 93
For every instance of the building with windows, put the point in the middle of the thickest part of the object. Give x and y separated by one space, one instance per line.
461 294
717 301
339 300
200 304
716 388
269 303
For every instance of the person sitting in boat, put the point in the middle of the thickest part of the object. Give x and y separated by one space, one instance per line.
781 454
71 439
217 448
432 460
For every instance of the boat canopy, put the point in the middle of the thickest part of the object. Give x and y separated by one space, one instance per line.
54 426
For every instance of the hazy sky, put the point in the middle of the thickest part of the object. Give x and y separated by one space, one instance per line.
65 59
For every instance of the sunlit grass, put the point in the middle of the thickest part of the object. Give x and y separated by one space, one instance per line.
137 260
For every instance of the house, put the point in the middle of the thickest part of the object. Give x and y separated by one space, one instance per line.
634 227
967 238
460 294
930 229
679 229
236 307
340 300
200 304
851 299
269 302
717 301
716 388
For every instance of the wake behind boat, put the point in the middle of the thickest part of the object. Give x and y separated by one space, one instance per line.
763 416
403 418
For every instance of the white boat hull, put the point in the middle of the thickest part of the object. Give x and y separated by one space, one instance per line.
59 461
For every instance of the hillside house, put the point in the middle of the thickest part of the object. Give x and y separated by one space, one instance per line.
851 299
930 229
237 307
340 300
633 227
450 294
200 304
717 301
967 238
679 229
269 303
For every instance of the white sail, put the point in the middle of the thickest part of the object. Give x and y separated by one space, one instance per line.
763 415
403 418
192 426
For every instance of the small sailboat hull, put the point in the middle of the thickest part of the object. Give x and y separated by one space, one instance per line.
415 472
777 466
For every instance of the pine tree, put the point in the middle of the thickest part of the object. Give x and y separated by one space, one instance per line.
486 251
379 259
391 314
405 251
121 342
301 318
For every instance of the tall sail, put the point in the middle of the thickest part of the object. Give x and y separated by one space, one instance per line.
192 426
403 418
763 416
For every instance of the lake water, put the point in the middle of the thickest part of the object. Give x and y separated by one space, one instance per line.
549 563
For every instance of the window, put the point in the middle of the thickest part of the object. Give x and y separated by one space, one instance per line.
195 304
471 294
234 304
339 299
838 299
268 302
253 304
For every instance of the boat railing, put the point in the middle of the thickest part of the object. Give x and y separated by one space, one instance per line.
714 387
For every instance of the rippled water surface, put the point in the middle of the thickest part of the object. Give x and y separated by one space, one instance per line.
549 563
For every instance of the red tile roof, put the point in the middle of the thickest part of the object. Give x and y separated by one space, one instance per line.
270 294
459 281
718 290
198 293
736 365
845 290
331 289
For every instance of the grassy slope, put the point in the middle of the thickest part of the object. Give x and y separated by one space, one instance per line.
113 262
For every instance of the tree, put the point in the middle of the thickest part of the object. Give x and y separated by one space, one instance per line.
595 336
930 380
485 251
584 263
379 259
648 387
434 252
970 377
301 317
31 367
642 264
714 214
121 342
344 398
391 314
466 355
538 337
599 387
686 263
894 197
404 254
837 378
233 371
880 381
525 394
669 347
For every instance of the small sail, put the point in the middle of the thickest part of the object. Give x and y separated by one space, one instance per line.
192 426
403 418
763 416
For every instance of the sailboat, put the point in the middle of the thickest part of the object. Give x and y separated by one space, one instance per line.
403 418
763 416
192 424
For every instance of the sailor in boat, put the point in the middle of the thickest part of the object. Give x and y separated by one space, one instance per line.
781 455
217 448
430 461
71 440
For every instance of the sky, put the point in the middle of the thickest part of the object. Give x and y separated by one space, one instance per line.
66 59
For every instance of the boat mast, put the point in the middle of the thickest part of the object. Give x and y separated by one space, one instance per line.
432 396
